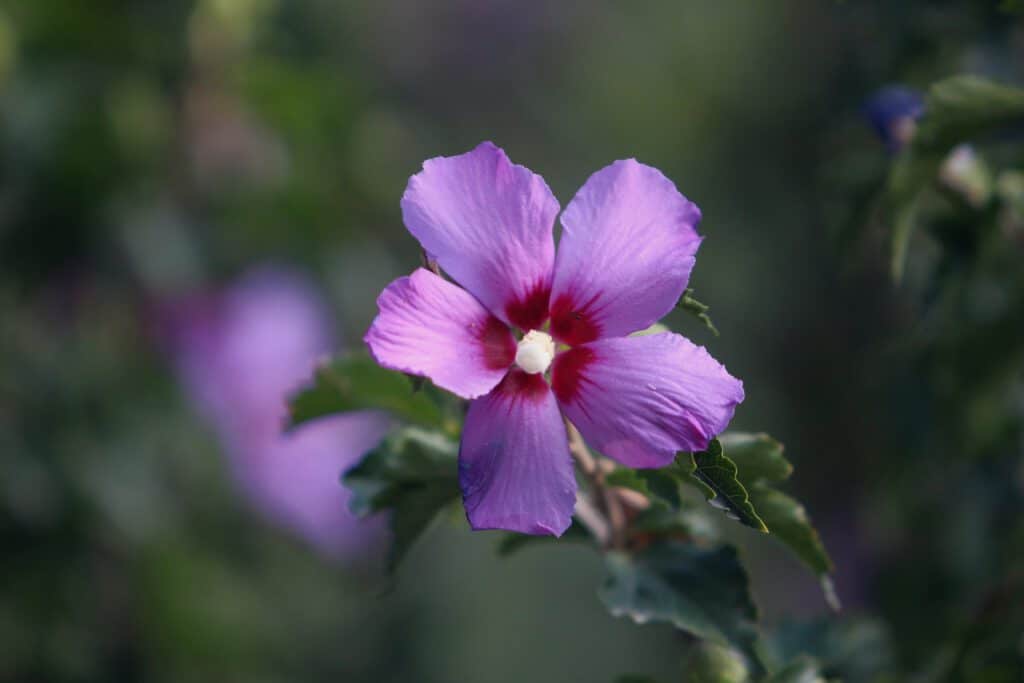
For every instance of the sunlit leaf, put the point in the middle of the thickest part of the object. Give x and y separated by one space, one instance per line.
758 457
356 382
760 464
716 475
708 662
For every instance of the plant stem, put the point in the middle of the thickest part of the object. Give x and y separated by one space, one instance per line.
611 532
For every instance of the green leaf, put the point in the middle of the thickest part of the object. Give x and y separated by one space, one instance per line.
513 542
635 678
758 457
708 662
413 474
356 382
689 304
655 484
962 107
664 520
800 670
701 591
759 462
715 474
904 221
787 519
959 109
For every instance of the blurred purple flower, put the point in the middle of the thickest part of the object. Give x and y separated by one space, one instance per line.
893 112
628 244
239 354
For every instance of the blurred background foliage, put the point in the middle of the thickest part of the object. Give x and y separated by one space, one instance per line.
152 150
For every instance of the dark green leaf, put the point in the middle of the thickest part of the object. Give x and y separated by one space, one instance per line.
356 382
663 519
689 304
513 542
758 457
413 475
703 592
655 484
758 462
635 678
800 670
852 649
715 474
787 519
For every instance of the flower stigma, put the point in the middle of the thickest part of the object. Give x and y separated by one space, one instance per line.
535 352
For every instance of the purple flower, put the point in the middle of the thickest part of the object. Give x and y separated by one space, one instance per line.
627 248
893 112
240 354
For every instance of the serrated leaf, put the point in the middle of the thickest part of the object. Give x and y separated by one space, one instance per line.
760 462
716 475
758 457
688 303
356 382
787 519
703 592
413 475
800 670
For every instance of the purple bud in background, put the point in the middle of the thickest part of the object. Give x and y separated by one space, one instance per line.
893 112
240 353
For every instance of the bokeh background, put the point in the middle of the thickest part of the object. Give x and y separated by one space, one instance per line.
154 155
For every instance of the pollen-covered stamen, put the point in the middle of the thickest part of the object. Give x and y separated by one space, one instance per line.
535 352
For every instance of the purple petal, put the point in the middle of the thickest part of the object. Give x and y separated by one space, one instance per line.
488 223
514 465
642 399
239 353
432 328
294 479
626 253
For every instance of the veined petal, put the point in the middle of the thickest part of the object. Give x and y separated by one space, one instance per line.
514 464
627 249
429 327
488 222
642 399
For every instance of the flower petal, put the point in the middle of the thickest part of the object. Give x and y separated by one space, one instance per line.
293 479
488 222
514 465
626 253
432 328
642 399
